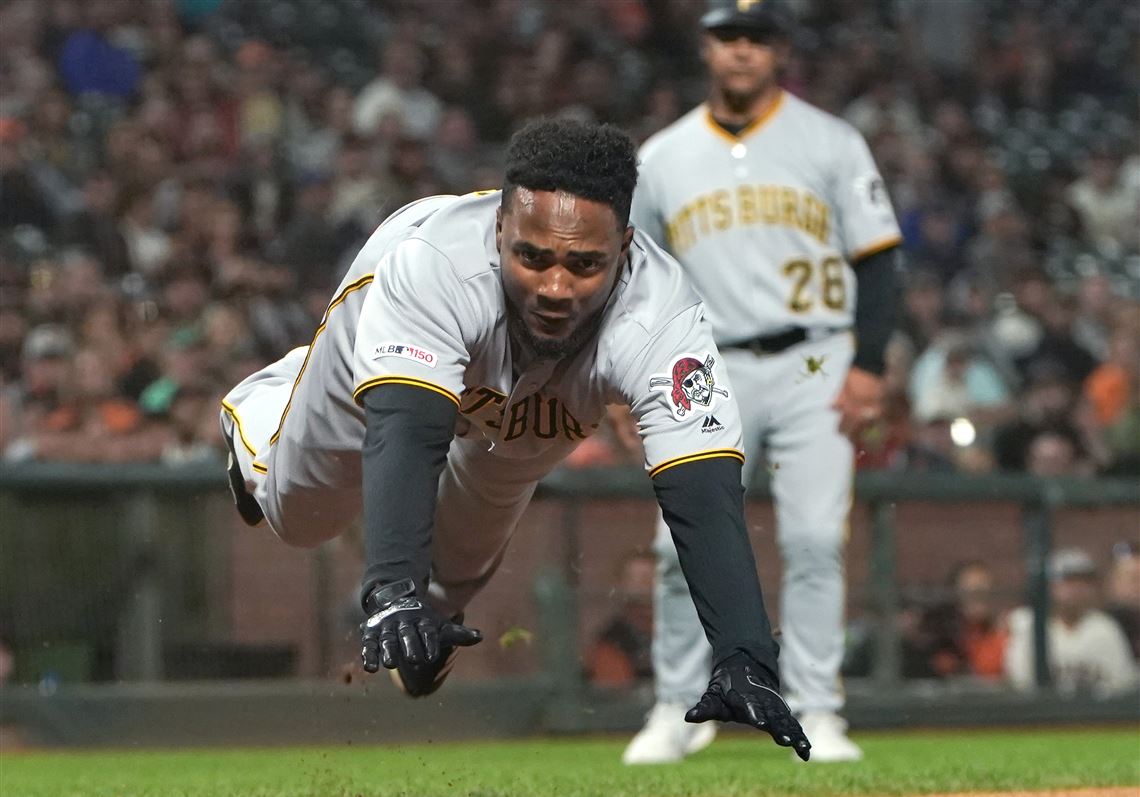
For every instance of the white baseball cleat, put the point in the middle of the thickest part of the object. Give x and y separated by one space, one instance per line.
827 733
666 737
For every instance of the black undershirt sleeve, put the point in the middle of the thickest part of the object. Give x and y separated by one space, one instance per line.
408 431
876 302
703 505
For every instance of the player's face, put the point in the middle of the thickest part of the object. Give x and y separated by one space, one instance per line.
560 257
741 63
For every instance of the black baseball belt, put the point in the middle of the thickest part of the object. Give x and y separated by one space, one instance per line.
779 341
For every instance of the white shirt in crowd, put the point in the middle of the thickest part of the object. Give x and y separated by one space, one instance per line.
1092 656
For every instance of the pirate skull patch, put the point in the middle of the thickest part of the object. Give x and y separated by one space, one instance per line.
690 386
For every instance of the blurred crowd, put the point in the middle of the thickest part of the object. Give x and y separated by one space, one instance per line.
183 182
966 629
970 629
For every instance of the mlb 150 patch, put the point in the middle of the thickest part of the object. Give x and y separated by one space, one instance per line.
405 352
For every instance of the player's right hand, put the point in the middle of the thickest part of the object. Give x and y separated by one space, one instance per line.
859 403
743 691
401 628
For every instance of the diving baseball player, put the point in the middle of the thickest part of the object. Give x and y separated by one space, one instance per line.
778 214
473 344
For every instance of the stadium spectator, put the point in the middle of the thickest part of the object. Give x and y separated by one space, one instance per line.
456 149
307 144
1054 453
1124 592
44 359
936 236
1093 324
972 630
1056 344
310 236
260 114
1045 404
950 380
95 226
54 145
23 199
1122 439
1111 386
918 640
619 655
1002 246
90 62
398 91
92 422
360 191
260 189
1088 653
148 247
1108 204
193 424
923 309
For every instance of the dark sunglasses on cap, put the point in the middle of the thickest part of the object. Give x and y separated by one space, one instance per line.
753 35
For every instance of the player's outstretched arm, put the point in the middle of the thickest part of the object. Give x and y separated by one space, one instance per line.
408 431
703 505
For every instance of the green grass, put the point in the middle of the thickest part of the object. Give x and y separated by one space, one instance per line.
736 766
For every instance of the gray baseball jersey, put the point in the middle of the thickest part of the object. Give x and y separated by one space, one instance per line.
798 187
423 305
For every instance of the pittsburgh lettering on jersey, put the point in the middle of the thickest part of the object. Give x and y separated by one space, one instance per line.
545 418
746 205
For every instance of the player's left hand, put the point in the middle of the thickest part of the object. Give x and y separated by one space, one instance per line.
859 403
743 691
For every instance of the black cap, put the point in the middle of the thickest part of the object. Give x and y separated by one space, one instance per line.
758 15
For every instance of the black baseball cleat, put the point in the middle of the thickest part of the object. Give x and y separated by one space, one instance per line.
420 680
246 505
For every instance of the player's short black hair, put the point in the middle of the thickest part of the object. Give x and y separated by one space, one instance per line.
595 162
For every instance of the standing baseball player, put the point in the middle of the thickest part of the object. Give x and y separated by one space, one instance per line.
778 215
473 344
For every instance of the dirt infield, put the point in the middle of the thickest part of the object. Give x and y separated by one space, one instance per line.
1113 791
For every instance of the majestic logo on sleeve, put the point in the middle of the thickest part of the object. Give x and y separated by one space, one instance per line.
691 385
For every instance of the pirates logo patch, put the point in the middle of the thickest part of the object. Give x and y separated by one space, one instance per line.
690 386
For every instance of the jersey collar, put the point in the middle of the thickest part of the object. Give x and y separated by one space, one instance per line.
754 127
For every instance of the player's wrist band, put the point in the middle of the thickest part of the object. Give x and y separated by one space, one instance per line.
395 607
384 595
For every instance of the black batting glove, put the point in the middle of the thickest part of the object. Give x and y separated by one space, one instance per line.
743 691
401 628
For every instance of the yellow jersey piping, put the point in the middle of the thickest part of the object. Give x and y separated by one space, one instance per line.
875 247
360 283
229 408
713 454
753 126
404 380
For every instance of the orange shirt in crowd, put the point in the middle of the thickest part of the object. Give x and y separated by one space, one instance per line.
115 416
984 648
610 666
1107 391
